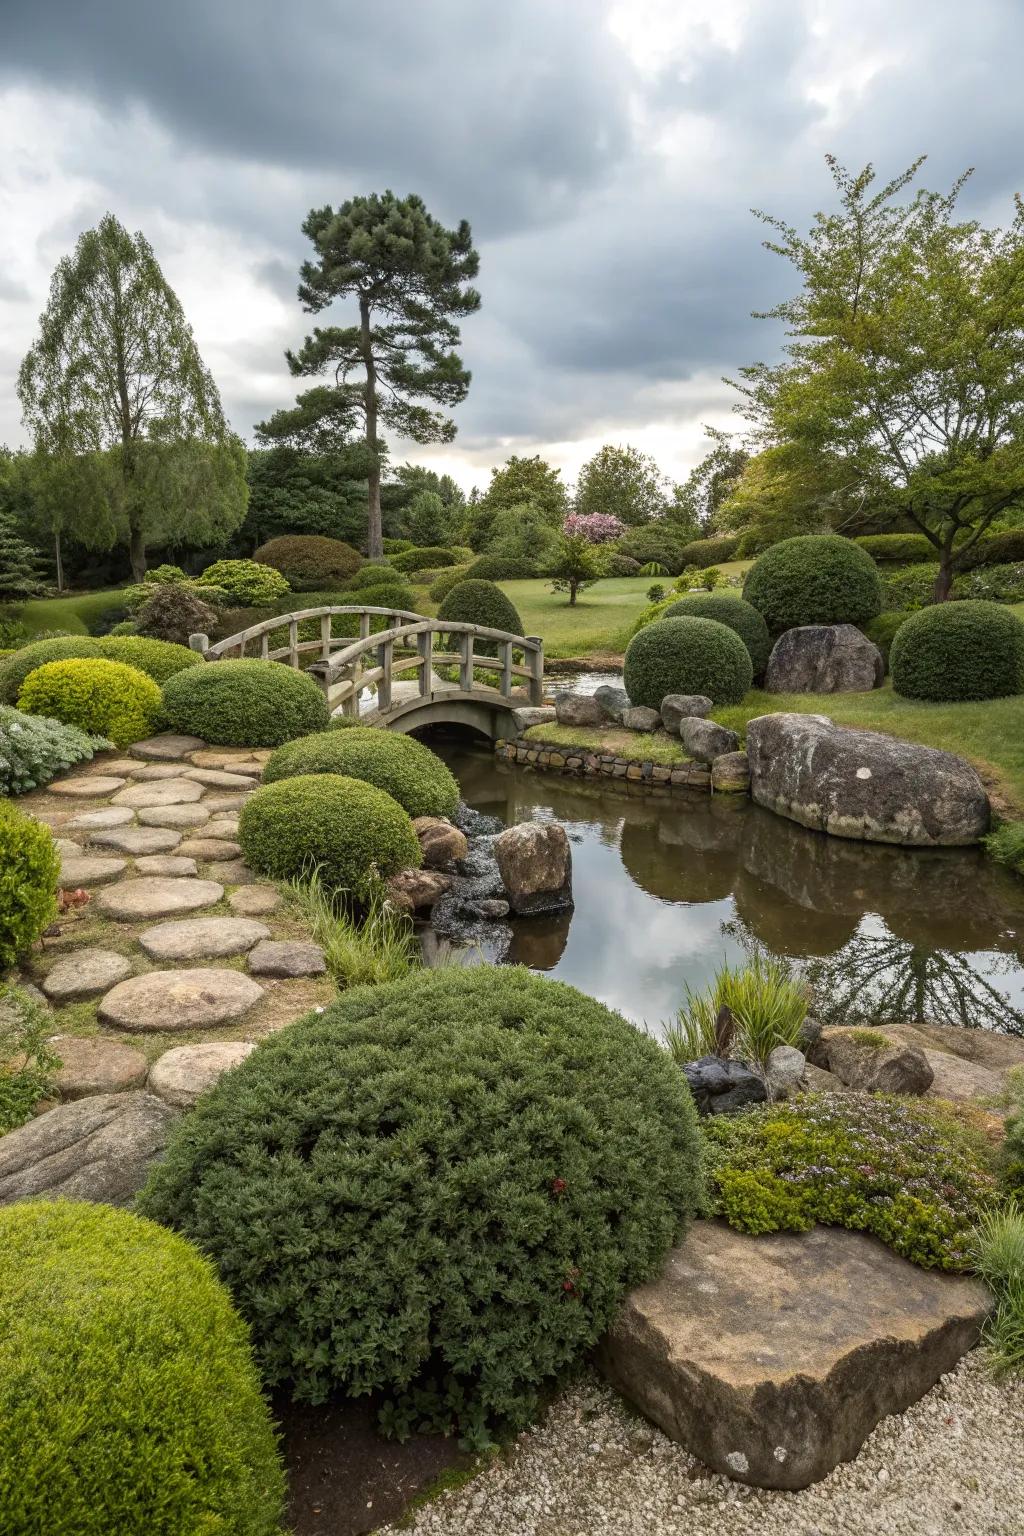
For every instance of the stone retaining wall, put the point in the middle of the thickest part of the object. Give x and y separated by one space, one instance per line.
583 764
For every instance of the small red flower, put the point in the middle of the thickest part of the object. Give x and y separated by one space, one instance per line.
558 1186
568 1286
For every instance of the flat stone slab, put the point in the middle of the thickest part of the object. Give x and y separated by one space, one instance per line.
198 998
155 773
134 901
165 792
119 765
254 900
168 746
215 803
90 869
772 1358
224 827
136 839
109 816
93 786
231 760
97 1148
286 957
216 778
96 1065
182 1074
210 848
84 974
203 938
166 864
235 872
182 816
67 847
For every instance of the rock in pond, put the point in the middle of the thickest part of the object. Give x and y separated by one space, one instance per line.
180 1075
578 709
730 774
720 1086
860 784
772 1358
535 863
416 890
97 1148
871 1060
704 740
677 707
824 658
440 842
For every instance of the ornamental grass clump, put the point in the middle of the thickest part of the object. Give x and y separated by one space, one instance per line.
104 698
765 1006
438 1190
246 703
33 750
128 1397
909 1173
409 772
999 1259
368 947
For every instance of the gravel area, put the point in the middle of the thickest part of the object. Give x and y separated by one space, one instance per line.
953 1463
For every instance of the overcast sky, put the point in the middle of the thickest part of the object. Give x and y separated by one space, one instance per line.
606 154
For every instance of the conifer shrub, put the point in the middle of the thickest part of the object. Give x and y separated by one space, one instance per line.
29 872
353 833
104 698
954 651
246 703
814 579
308 562
409 772
33 750
686 655
128 1395
735 614
439 1190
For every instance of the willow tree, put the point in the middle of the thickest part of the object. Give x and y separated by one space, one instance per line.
116 372
409 279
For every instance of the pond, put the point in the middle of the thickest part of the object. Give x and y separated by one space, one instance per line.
667 888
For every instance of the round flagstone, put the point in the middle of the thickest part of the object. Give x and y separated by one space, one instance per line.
67 847
234 760
254 900
118 766
215 778
96 1065
165 864
168 746
210 848
222 827
84 973
90 869
90 787
149 773
180 1075
216 803
134 901
174 815
136 839
202 938
286 957
234 871
198 998
109 816
175 791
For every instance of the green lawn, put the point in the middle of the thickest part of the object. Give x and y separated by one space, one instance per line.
75 613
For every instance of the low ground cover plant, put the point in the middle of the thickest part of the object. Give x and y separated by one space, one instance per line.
404 767
686 655
104 698
308 561
246 703
33 749
126 1374
956 651
735 614
450 1212
27 1063
814 579
905 1171
29 871
766 1008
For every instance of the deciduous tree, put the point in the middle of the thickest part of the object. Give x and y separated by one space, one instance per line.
623 483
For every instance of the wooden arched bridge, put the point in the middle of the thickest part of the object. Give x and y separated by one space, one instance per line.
413 672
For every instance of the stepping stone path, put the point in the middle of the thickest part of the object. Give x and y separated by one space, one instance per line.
150 773
168 747
202 938
109 816
199 998
182 816
166 864
136 839
254 900
222 826
177 791
216 779
182 1074
89 869
91 787
286 957
96 1065
134 901
207 847
98 1148
84 974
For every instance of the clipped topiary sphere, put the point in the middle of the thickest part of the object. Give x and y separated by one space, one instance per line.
29 872
686 656
425 557
159 659
443 584
736 615
244 703
15 668
481 602
462 1152
309 562
401 765
953 651
374 575
814 579
105 698
346 829
125 1374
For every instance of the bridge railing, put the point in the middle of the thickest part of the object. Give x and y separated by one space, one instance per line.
258 635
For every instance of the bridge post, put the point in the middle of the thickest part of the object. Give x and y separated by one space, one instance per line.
426 649
200 643
466 663
386 653
506 668
536 670
325 637
293 643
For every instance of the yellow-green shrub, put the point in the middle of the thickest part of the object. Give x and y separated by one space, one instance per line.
105 698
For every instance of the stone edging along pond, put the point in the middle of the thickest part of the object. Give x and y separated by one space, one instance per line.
585 764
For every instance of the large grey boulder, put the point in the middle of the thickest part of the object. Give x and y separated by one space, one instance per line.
530 715
535 863
677 707
721 1086
640 718
613 701
824 658
705 740
772 1358
860 784
872 1060
96 1148
578 709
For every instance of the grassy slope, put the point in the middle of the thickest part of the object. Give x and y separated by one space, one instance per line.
74 613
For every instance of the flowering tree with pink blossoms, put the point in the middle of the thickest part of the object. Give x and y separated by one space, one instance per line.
595 527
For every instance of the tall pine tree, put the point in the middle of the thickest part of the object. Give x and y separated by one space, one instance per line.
19 564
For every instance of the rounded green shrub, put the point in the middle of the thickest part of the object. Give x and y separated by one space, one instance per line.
246 703
29 872
387 594
882 630
15 668
309 562
159 659
105 698
735 614
459 1157
401 765
245 581
651 541
617 565
954 651
814 579
126 1377
686 655
481 602
374 575
348 830
423 558
707 552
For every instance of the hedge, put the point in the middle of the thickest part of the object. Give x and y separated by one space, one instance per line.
128 1395
814 579
439 1190
735 614
954 651
651 542
103 698
401 765
423 558
707 552
246 703
994 549
500 568
309 562
29 872
686 655
158 659
901 548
